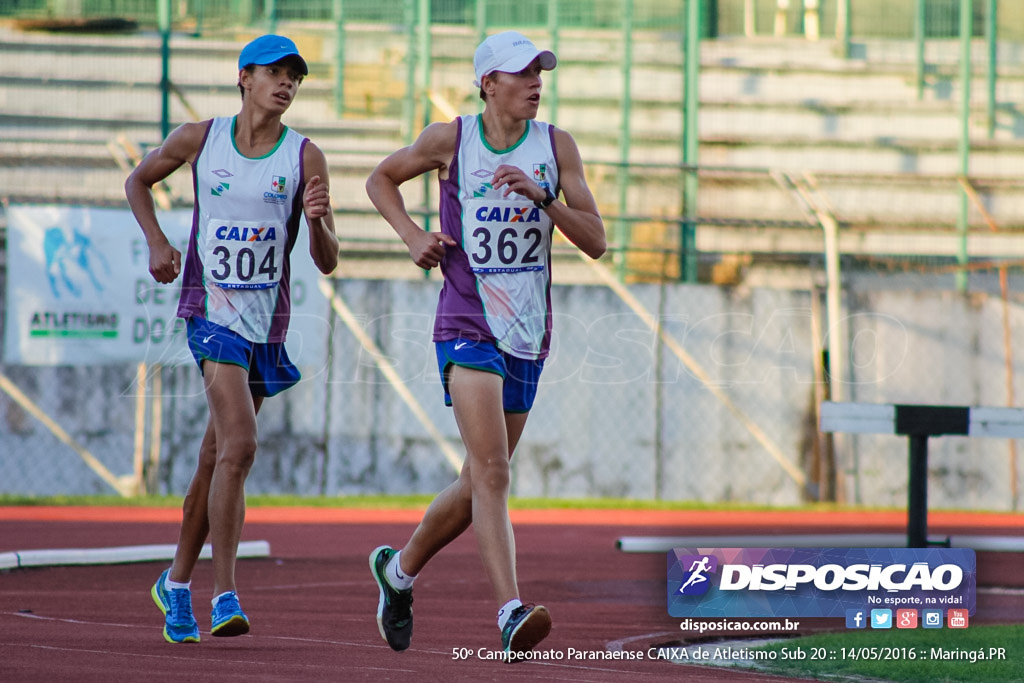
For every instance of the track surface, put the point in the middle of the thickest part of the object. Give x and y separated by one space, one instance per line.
312 604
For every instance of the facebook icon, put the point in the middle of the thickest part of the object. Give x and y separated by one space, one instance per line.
855 618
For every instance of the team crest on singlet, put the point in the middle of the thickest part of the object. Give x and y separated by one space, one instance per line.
278 193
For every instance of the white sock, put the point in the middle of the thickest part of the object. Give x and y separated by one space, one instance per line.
174 585
505 613
214 601
398 579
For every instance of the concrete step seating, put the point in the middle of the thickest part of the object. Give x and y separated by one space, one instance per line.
765 104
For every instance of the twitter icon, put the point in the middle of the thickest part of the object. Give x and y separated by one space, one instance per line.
881 618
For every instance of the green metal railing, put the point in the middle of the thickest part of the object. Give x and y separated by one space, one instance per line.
680 26
966 31
858 19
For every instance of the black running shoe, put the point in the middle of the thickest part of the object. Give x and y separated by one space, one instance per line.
528 625
394 610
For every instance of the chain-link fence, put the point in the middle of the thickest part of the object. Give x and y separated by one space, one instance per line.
674 392
656 390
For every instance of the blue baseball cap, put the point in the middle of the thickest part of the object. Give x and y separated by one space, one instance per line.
269 49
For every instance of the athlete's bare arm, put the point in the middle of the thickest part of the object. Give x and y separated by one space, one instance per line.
316 203
578 218
180 148
433 150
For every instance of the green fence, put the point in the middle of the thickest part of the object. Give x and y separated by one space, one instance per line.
790 137
868 18
621 88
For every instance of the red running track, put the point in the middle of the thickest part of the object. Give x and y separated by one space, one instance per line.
312 604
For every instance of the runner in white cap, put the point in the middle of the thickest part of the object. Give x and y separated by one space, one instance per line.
501 175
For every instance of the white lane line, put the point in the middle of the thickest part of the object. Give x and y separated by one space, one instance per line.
297 639
617 645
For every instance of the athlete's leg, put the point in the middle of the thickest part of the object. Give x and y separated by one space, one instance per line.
515 423
477 402
451 512
233 414
195 524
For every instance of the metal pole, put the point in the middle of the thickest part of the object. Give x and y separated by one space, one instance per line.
243 11
781 17
409 100
622 227
156 425
749 18
271 9
426 65
691 142
992 38
812 19
339 57
917 496
199 18
553 14
138 478
164 23
480 20
966 28
919 41
843 27
834 305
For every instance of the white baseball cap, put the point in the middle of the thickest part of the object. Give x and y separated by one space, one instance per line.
509 52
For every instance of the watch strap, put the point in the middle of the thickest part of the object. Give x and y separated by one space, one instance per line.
546 202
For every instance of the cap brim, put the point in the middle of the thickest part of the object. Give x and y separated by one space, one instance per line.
548 61
273 58
520 62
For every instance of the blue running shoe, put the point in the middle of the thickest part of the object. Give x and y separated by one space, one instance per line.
228 618
528 625
394 609
179 624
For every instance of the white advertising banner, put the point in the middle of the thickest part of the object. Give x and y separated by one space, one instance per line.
79 291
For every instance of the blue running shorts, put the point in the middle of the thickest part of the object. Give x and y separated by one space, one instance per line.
521 376
270 369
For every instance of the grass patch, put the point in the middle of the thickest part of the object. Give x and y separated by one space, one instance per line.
417 501
913 656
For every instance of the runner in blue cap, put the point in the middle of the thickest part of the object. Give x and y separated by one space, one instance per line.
270 49
253 178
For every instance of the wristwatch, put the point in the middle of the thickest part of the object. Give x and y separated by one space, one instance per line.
546 202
